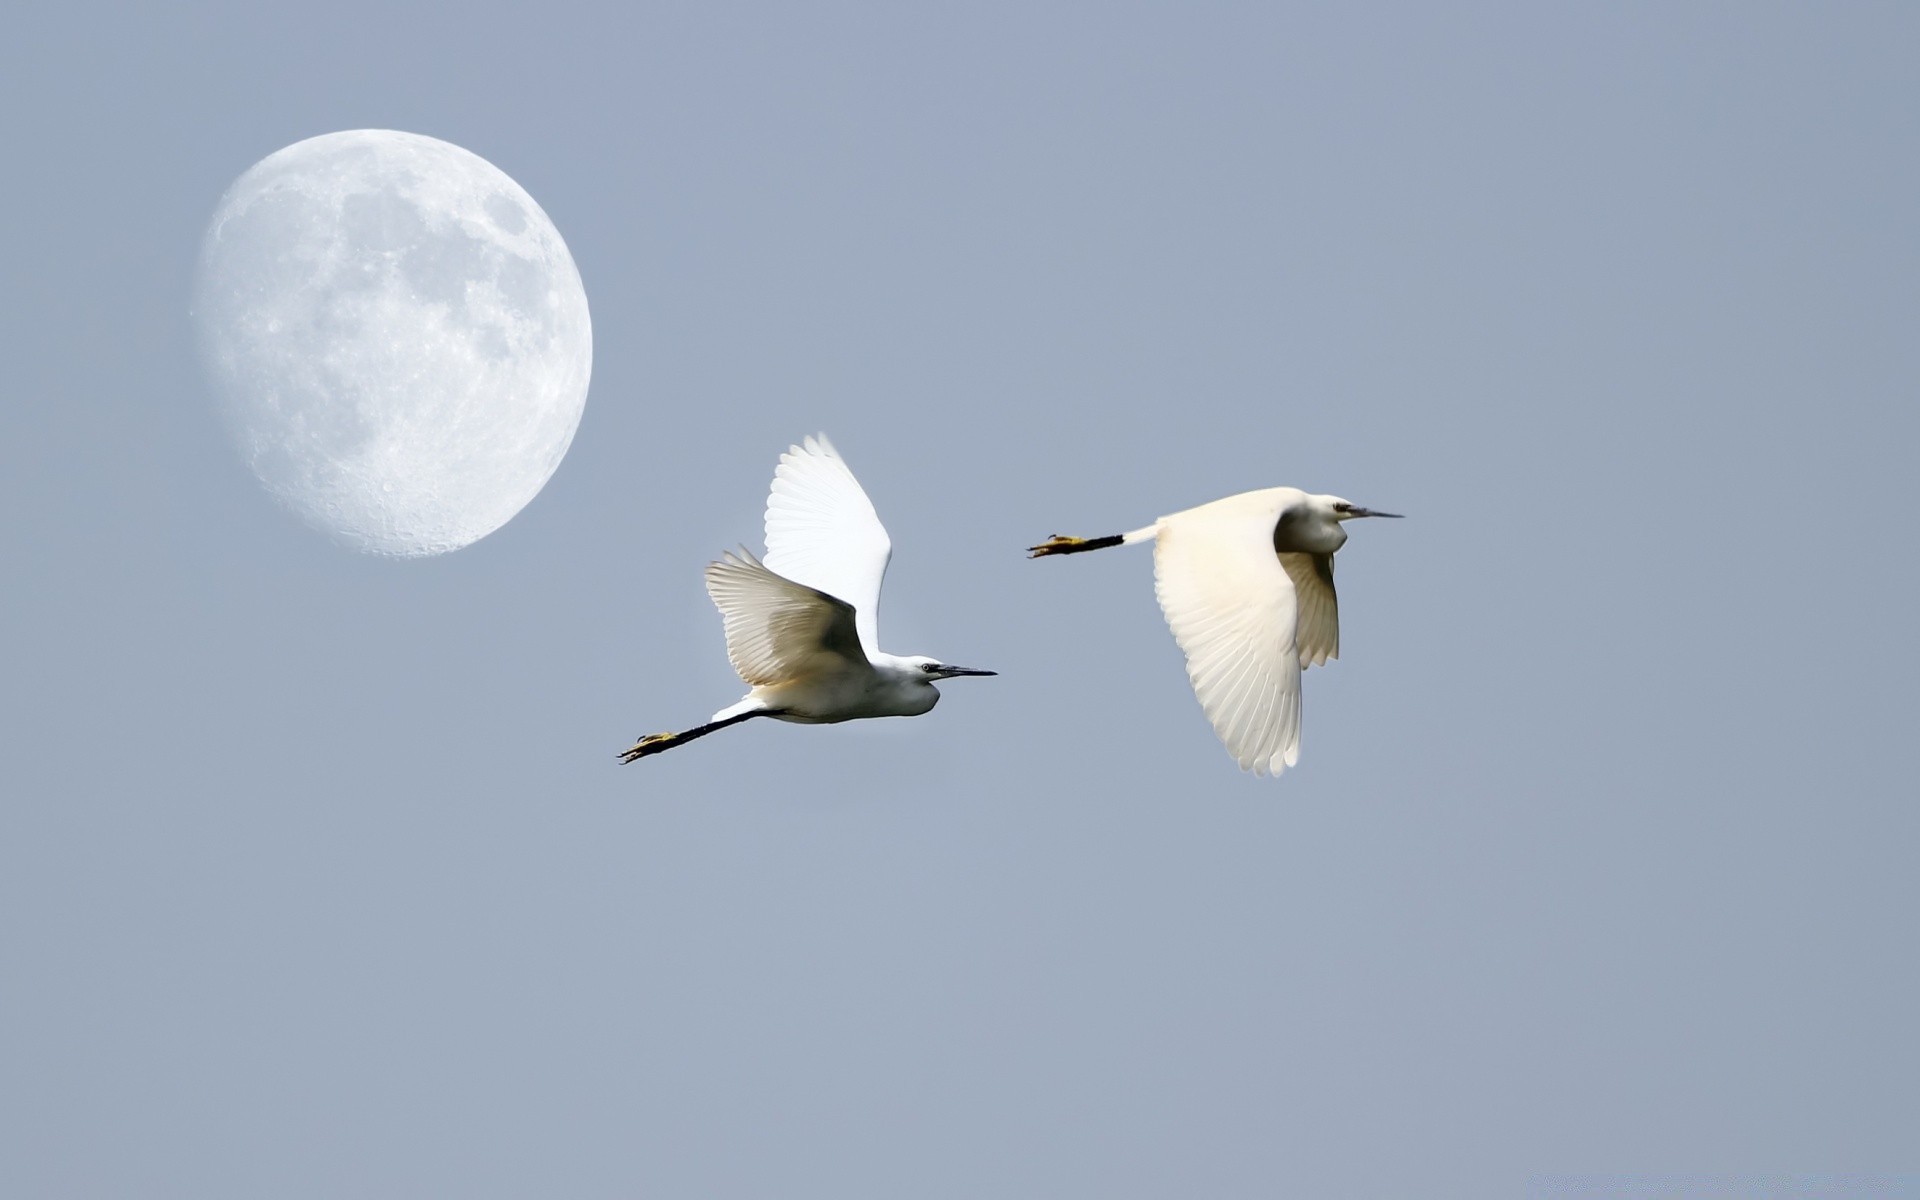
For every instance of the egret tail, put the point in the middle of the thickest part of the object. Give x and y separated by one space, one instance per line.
654 743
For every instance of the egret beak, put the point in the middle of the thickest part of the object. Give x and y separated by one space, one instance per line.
1368 512
946 672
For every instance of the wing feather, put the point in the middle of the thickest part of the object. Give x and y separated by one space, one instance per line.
822 532
1319 625
1232 609
779 630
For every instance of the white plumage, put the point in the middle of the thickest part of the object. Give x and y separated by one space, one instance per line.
777 629
1246 585
801 626
822 532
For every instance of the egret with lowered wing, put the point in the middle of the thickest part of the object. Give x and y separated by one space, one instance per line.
1246 583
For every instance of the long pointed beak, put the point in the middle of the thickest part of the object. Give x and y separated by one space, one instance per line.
1370 512
947 672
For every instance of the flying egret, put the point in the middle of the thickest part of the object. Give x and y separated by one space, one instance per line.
801 625
1246 584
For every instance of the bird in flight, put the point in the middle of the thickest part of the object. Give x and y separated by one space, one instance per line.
802 624
1246 584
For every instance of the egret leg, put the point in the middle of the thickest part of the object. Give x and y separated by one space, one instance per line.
654 743
1061 544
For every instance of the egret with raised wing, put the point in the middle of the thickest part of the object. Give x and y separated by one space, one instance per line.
802 625
1246 584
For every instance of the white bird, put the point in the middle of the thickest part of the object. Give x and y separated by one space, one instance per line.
802 625
1246 584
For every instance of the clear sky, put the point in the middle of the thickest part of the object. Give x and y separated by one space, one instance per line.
317 873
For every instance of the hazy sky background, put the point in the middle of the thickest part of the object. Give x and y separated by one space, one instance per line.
318 876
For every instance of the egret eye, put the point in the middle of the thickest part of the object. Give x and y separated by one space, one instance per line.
930 668
1343 506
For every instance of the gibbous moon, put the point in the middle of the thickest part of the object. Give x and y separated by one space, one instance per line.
398 336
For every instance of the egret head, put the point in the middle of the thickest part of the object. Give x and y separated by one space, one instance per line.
1311 524
932 668
908 682
1343 510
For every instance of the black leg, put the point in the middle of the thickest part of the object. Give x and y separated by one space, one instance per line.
654 743
1059 544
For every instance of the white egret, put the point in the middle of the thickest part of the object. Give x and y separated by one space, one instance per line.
802 625
1246 584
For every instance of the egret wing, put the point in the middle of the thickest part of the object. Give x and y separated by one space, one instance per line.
1318 628
779 630
1232 608
822 532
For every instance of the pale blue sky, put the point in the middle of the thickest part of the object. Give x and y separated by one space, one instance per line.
318 876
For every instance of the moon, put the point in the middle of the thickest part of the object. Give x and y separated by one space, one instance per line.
398 337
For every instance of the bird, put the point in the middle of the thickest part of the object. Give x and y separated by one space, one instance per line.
1246 584
802 625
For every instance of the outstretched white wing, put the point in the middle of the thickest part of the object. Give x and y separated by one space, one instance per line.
822 532
779 630
1232 609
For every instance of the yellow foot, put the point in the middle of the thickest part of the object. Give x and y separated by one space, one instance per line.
653 743
1057 544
